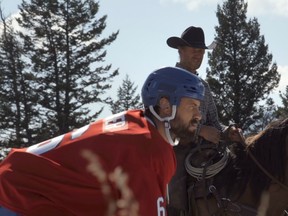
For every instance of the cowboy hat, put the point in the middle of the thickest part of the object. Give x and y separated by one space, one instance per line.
192 37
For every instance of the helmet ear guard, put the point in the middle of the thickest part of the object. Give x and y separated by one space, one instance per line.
166 121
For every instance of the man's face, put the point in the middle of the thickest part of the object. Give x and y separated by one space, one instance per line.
191 58
187 118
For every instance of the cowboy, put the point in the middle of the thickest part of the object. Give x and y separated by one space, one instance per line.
191 48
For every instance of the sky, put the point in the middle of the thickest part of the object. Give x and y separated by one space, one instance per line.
145 25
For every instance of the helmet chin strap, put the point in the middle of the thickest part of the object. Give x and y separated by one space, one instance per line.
167 125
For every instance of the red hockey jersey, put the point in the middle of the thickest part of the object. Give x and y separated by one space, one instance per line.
51 178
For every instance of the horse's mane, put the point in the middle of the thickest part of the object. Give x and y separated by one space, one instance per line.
269 148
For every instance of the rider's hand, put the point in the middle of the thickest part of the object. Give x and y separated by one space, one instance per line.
234 134
210 133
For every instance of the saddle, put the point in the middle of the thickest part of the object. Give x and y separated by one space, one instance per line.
196 165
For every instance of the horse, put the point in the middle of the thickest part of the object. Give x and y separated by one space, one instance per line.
242 179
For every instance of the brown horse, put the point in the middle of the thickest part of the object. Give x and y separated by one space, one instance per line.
252 180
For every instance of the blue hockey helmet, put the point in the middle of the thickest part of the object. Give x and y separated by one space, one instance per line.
172 83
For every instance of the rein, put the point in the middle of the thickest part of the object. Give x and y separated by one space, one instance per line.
259 165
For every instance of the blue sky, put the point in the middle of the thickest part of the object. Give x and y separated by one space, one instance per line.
145 25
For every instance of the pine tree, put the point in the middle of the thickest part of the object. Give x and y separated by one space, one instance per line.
241 71
126 97
266 114
63 40
19 115
282 111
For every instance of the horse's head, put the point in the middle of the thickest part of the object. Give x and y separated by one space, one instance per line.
270 149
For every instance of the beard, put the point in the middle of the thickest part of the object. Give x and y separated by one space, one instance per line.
183 131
